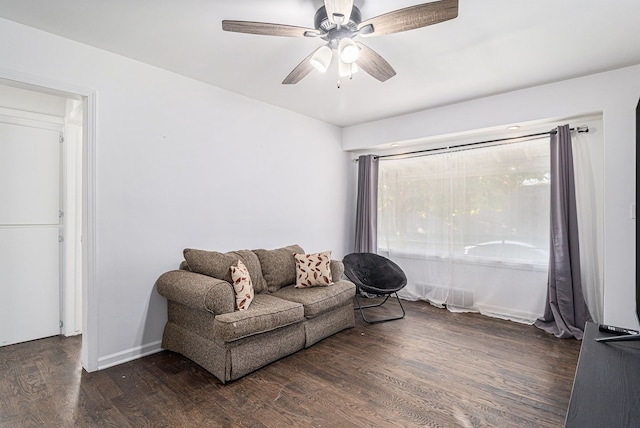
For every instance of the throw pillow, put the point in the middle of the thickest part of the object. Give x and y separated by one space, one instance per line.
242 285
313 269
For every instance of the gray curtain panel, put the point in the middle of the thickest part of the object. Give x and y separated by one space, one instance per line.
566 310
367 205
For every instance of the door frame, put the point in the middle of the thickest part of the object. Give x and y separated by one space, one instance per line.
89 289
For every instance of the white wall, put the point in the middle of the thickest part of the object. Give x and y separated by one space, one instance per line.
614 93
72 170
183 164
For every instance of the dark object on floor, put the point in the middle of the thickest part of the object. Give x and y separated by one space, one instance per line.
376 275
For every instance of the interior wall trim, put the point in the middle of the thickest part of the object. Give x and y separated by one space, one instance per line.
129 355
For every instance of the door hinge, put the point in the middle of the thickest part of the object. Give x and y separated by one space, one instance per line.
60 238
60 214
61 139
61 323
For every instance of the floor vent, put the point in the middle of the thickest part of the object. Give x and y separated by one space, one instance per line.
461 298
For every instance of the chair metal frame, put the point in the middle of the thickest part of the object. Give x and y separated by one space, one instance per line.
361 308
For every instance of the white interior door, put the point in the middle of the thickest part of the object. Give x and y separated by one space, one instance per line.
29 230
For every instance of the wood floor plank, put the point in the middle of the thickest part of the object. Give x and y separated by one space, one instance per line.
433 368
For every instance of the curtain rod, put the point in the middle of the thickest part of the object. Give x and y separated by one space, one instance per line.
579 129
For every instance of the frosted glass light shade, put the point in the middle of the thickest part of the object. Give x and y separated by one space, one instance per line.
321 59
347 70
341 7
348 50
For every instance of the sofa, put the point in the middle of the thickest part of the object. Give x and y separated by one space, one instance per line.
284 316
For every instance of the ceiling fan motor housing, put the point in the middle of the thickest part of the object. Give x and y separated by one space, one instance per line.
331 32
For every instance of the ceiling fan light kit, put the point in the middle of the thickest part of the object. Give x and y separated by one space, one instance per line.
348 50
338 22
347 69
321 59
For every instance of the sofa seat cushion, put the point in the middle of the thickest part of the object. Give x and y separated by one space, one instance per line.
266 313
318 300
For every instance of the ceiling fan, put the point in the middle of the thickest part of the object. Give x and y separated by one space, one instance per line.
338 23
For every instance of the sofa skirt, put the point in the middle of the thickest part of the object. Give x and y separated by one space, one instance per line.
231 360
328 323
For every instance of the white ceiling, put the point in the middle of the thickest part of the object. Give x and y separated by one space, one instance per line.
493 46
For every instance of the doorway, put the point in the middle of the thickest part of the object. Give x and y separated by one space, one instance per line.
40 214
87 211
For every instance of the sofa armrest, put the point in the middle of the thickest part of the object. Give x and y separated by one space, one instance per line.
197 291
337 269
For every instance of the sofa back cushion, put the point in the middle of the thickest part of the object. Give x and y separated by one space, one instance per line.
217 265
279 266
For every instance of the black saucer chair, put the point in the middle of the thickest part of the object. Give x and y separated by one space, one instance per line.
374 274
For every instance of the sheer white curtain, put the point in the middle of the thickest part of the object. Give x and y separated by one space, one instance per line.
588 173
470 228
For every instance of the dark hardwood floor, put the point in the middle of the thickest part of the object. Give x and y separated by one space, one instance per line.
433 368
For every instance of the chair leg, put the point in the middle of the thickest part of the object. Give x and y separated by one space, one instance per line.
361 308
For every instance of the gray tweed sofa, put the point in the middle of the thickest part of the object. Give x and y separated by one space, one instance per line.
205 326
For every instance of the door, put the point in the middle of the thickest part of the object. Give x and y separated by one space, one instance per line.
29 231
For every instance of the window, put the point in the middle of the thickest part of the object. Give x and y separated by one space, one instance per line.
478 205
470 228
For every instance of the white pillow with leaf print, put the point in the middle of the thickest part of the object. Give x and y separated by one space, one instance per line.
312 270
242 285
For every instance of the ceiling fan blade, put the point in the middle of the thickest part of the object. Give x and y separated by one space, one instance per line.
341 8
371 62
412 17
267 29
300 71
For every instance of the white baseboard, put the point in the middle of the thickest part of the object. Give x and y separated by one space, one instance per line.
129 355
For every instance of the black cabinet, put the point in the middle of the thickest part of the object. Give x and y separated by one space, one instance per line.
606 388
